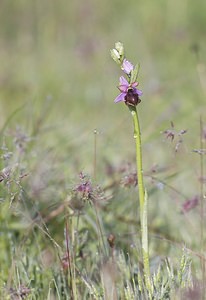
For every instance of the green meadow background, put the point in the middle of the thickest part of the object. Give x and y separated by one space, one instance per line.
55 57
57 86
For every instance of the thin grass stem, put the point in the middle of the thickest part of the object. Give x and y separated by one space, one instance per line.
202 221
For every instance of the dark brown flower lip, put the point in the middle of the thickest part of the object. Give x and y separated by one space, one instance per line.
132 98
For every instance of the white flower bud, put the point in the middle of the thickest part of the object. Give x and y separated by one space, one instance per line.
120 48
115 55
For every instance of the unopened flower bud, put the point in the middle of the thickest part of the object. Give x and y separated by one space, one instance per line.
120 48
115 55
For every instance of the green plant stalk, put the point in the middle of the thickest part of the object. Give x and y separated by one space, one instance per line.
142 196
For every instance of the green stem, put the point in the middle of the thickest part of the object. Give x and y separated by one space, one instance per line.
142 196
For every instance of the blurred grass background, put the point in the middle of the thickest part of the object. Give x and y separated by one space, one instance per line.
57 79
55 62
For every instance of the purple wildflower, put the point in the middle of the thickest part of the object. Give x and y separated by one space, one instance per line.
84 188
128 92
127 66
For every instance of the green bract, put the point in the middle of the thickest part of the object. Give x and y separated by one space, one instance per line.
134 73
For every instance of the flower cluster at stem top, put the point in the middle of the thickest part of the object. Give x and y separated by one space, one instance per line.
128 87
